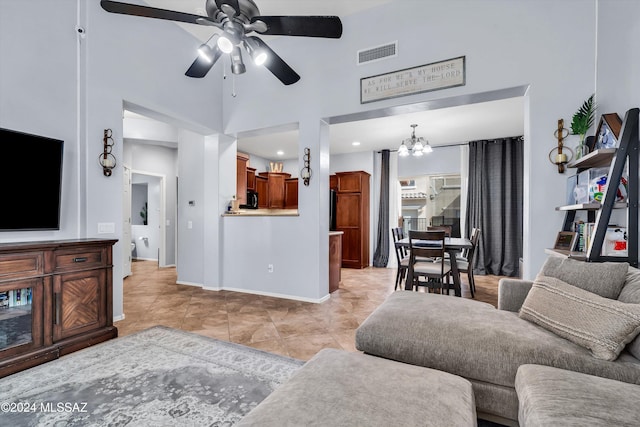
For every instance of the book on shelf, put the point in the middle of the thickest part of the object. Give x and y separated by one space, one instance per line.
585 232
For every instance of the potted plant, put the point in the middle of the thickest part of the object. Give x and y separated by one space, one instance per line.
581 122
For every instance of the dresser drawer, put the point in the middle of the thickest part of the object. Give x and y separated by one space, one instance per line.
79 258
21 265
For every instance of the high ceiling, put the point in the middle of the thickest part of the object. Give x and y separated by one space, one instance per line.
339 8
440 126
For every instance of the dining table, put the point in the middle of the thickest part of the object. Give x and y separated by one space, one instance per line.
452 245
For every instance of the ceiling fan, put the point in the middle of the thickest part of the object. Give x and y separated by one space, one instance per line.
237 19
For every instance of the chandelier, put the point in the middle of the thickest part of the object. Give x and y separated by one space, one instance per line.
416 146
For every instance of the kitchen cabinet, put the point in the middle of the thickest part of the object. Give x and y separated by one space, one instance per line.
242 162
352 217
275 189
291 193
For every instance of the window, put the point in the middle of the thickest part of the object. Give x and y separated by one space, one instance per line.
431 200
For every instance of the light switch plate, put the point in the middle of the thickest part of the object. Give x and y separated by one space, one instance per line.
106 228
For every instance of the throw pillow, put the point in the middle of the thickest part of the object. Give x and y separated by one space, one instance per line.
631 294
603 278
602 325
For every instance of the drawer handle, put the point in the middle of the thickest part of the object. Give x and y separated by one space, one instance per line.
82 259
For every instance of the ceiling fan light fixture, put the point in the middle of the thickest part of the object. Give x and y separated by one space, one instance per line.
258 54
237 66
205 53
225 44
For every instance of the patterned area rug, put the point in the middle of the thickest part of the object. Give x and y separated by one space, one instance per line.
157 377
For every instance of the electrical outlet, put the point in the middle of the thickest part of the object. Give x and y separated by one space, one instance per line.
270 268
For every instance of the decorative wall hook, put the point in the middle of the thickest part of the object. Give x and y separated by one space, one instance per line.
106 159
556 155
305 173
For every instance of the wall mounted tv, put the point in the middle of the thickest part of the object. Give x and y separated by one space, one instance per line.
31 177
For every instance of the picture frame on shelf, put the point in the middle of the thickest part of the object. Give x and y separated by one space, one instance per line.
608 131
566 240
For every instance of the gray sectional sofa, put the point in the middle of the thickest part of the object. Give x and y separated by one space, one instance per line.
487 346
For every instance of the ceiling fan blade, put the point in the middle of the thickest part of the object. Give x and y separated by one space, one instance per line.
152 12
276 65
232 3
305 26
201 65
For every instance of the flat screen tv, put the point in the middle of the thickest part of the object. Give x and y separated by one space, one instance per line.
31 177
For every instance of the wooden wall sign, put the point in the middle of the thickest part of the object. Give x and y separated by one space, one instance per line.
410 81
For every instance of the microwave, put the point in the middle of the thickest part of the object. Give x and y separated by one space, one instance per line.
252 200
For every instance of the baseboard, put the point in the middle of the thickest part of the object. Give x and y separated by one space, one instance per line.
144 259
277 295
264 294
118 318
182 282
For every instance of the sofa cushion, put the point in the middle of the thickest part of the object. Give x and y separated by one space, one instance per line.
631 293
602 278
474 340
603 325
339 388
555 397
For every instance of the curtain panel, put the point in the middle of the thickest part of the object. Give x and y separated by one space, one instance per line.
494 204
381 255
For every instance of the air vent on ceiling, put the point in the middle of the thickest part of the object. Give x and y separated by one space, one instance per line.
377 53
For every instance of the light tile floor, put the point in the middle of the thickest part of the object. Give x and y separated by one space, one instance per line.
287 327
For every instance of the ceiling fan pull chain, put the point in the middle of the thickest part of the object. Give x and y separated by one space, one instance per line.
233 85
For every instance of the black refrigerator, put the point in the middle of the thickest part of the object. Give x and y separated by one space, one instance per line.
333 200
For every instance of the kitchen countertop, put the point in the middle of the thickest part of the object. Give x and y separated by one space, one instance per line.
263 212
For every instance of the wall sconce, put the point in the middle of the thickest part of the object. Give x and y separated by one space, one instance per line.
106 159
305 173
556 155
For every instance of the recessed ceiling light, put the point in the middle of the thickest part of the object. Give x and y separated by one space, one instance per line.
355 143
280 153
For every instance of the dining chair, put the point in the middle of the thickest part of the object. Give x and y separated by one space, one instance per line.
428 260
465 264
402 255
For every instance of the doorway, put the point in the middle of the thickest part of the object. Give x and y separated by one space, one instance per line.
147 217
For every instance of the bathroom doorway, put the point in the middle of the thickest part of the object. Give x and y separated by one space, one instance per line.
147 217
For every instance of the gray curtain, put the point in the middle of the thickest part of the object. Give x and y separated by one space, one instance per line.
381 255
494 204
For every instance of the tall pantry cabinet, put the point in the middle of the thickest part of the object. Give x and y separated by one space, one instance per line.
352 217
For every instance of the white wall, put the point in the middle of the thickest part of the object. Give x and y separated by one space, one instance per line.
38 94
443 160
56 84
506 43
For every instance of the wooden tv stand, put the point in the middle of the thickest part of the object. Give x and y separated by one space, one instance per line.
56 297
